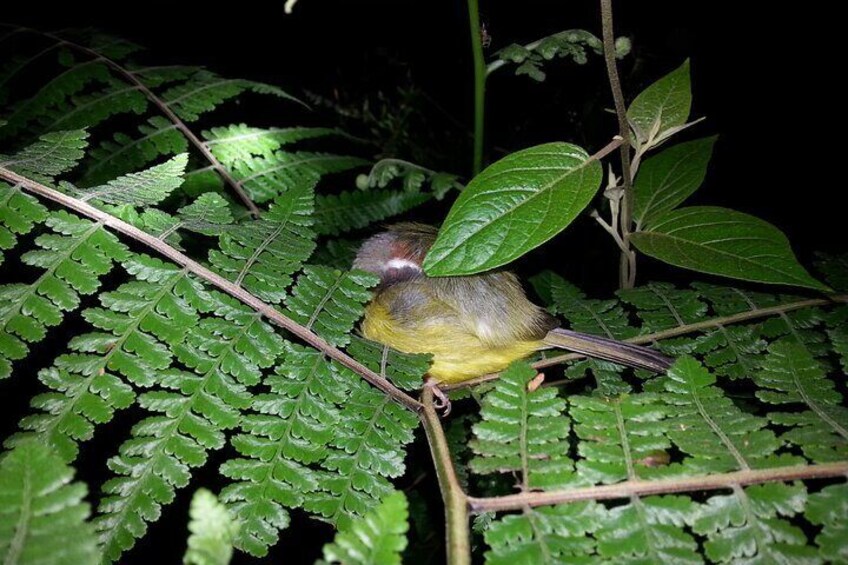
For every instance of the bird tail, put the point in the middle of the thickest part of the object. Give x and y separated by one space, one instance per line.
609 350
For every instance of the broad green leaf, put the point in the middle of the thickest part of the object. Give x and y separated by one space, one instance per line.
213 530
663 106
669 178
43 518
513 206
724 242
376 538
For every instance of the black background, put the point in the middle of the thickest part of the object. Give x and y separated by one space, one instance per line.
764 78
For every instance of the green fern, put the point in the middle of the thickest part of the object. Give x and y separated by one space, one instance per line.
262 255
523 432
751 526
378 537
73 258
549 534
43 518
340 213
705 424
212 531
329 301
828 508
225 353
790 375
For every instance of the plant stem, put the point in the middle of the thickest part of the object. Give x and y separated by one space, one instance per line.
456 501
627 261
479 83
640 487
215 280
674 332
165 109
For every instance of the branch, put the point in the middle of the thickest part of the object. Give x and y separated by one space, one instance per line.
627 268
215 280
674 332
638 487
165 109
456 501
479 83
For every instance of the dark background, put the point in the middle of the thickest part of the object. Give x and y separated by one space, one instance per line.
765 80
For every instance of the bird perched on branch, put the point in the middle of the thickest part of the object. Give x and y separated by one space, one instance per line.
473 325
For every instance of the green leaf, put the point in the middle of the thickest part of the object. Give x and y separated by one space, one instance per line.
513 206
144 188
43 518
378 538
662 107
213 531
829 508
350 210
724 242
53 154
523 432
667 179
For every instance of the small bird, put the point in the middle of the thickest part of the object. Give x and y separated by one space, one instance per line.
472 325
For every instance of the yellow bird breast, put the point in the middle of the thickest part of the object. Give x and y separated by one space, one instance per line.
458 355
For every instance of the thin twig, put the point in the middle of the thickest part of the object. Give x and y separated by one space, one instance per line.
641 487
215 280
674 332
455 499
627 266
479 83
165 109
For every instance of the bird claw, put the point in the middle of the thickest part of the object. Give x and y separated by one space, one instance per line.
441 403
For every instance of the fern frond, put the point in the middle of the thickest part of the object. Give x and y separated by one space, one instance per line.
790 375
620 438
113 157
225 354
365 452
837 332
73 258
523 432
828 508
139 321
43 518
264 178
54 97
239 143
329 302
86 109
377 537
290 432
50 156
733 352
263 254
204 91
710 428
649 530
144 188
19 213
347 211
405 370
750 526
548 534
213 531
660 306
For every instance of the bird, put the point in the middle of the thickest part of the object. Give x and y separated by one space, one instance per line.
472 325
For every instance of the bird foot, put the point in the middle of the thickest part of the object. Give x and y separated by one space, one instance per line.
442 403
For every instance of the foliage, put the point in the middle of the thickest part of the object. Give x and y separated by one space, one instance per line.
212 531
513 206
244 347
43 518
378 537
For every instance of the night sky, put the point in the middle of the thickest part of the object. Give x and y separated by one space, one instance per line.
757 77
